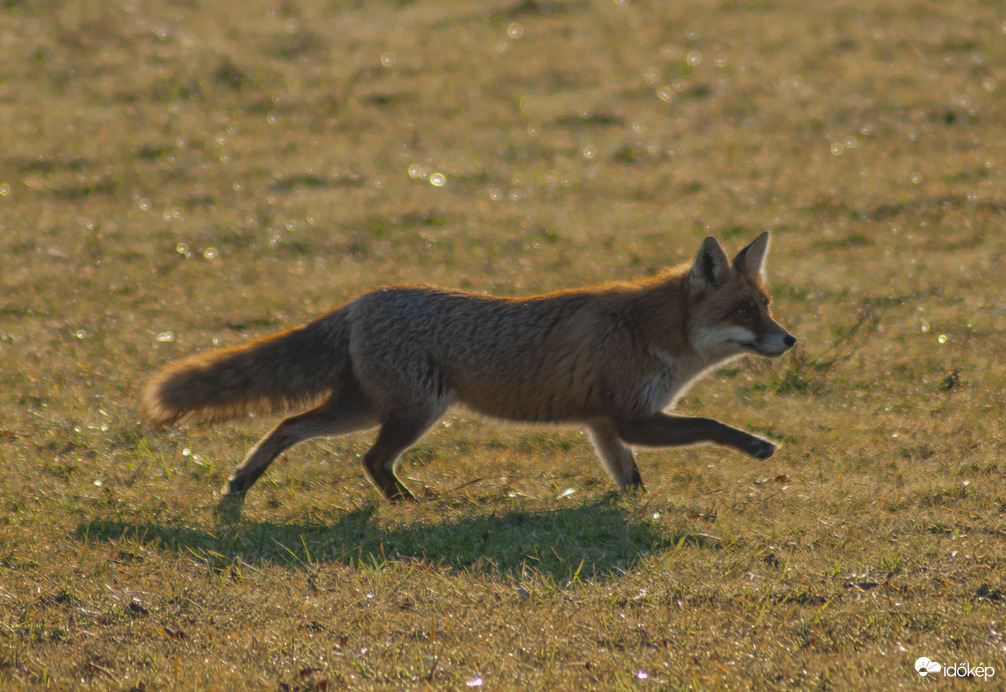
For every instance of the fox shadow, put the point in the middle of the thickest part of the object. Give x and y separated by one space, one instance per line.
597 541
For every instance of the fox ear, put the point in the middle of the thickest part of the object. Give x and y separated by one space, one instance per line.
711 265
751 260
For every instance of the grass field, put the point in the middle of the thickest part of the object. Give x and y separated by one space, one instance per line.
178 176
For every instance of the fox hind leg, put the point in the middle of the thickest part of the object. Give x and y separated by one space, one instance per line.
345 411
618 459
398 433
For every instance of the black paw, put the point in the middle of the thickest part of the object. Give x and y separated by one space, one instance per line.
759 448
228 509
399 493
636 487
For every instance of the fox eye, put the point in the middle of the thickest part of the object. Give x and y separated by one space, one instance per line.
745 313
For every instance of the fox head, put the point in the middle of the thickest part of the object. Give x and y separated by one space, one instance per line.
730 310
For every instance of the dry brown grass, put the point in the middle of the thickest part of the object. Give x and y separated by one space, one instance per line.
179 175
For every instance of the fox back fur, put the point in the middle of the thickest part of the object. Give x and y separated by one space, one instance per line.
611 358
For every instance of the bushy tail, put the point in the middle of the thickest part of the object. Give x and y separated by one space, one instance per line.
266 375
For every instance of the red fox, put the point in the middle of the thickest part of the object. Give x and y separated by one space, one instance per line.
611 358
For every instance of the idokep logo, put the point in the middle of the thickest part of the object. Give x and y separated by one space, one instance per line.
928 668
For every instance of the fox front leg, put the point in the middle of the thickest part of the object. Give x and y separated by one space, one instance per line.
617 458
664 430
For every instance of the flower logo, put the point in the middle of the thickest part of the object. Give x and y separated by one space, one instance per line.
924 666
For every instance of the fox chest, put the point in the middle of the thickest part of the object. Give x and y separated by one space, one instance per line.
656 392
665 381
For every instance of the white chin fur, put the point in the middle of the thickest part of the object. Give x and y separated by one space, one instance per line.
771 346
725 341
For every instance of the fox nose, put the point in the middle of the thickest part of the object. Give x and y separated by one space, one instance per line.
789 340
